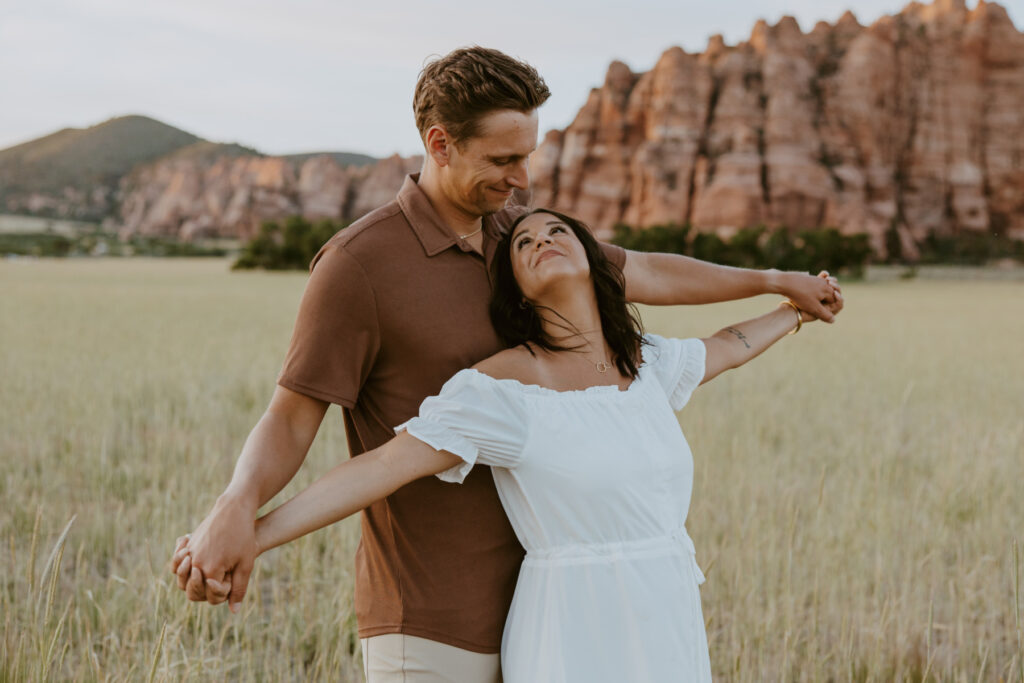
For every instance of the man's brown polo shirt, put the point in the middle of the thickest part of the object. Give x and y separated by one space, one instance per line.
395 305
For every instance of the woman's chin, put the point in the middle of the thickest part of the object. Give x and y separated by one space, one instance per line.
559 281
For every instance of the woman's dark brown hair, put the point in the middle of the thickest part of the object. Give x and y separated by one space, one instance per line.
518 322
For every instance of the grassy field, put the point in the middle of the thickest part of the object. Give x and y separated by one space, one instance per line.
856 507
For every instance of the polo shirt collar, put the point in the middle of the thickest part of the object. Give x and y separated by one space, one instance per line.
434 235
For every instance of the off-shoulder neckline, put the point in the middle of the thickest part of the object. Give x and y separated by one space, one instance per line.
595 390
538 390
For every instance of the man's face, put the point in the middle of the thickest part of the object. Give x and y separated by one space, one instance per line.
483 171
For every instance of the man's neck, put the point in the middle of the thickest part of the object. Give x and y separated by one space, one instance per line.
460 222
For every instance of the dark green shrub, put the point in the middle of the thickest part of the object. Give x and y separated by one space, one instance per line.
670 239
970 248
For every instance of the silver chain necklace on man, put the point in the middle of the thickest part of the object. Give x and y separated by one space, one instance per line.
470 234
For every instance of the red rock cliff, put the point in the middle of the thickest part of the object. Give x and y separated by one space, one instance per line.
915 122
232 196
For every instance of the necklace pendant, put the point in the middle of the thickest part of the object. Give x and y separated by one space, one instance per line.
602 366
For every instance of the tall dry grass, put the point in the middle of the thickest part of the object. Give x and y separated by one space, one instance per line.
856 503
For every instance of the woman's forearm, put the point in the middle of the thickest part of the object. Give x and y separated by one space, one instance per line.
733 346
671 279
350 487
345 489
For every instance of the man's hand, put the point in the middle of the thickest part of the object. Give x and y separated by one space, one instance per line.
220 552
214 562
816 296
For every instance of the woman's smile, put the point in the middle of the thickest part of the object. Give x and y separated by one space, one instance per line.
546 255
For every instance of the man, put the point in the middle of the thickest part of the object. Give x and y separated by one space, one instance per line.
395 305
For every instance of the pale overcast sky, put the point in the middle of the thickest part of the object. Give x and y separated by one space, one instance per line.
332 74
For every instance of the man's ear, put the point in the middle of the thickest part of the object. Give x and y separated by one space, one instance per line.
438 143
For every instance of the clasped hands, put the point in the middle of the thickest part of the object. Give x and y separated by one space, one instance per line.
818 297
214 562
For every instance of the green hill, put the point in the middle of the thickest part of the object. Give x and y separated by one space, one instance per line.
35 175
84 158
208 152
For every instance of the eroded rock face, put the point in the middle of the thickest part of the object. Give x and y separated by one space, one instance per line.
232 197
915 122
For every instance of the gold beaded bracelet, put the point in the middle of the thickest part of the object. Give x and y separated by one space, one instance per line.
799 316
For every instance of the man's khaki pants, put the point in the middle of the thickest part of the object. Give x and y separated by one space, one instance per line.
398 658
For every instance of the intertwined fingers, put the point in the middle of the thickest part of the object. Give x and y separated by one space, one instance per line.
195 588
834 291
181 560
835 298
218 591
181 549
837 305
183 570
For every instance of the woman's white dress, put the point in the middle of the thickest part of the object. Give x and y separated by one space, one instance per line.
596 484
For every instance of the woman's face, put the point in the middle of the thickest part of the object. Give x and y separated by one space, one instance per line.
546 253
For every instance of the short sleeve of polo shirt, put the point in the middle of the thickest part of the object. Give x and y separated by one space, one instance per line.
615 254
336 336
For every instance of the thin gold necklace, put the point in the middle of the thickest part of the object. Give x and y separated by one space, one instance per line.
601 366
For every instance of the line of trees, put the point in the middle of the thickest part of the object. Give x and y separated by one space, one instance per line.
99 243
968 248
805 250
292 244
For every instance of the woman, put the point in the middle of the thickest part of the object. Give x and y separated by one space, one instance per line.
576 419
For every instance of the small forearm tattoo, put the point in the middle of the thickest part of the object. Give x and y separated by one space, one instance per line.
739 335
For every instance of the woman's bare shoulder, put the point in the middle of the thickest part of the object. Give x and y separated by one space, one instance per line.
516 363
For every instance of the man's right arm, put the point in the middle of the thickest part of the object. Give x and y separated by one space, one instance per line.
276 447
333 348
223 546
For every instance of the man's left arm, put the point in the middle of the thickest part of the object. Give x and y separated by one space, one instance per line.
671 279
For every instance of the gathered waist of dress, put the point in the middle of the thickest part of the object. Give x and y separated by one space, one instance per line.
677 542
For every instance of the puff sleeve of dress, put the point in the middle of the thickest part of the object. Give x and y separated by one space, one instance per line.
475 417
678 364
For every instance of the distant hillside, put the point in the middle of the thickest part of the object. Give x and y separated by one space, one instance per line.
341 158
208 152
78 173
185 196
84 158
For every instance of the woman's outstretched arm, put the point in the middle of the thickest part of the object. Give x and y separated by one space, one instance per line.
350 487
671 279
735 345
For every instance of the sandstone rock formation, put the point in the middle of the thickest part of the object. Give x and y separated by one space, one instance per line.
232 196
915 123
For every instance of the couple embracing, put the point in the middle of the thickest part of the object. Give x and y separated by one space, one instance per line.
501 346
